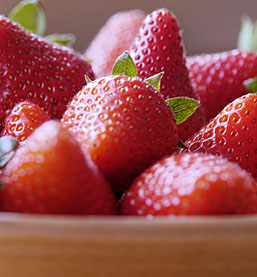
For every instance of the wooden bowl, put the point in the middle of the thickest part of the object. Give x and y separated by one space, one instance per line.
127 246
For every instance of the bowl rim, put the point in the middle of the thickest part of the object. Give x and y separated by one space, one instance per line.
116 227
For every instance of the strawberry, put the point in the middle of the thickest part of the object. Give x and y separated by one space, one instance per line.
218 78
23 120
114 38
191 184
50 174
159 47
37 71
231 134
125 125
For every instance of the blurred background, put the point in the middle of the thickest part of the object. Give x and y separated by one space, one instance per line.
208 25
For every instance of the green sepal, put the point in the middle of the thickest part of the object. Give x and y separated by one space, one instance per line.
251 84
181 144
30 14
247 38
63 39
155 81
8 144
88 80
182 107
125 65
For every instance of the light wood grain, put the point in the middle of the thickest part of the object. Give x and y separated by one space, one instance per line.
90 246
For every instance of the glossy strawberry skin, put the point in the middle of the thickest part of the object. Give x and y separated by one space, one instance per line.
159 47
23 120
218 78
191 184
50 174
124 124
34 70
231 134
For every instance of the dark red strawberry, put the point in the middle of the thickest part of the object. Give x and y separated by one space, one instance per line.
191 184
218 78
159 47
231 134
34 70
23 120
50 174
124 123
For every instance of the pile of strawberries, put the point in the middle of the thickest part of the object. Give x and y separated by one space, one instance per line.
154 133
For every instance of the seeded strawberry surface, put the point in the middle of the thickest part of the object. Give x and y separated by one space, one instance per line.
218 78
124 124
23 120
51 174
191 184
35 70
159 47
231 134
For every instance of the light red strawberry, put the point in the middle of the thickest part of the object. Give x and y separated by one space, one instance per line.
218 78
159 47
50 174
34 70
124 123
114 38
191 184
231 134
23 120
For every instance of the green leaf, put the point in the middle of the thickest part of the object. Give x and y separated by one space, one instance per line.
181 144
124 65
63 39
247 38
251 84
8 144
182 107
88 80
155 81
30 14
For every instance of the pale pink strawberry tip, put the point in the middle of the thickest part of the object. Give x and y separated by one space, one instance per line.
115 37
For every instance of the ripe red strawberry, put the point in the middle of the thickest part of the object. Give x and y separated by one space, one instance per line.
35 70
23 120
124 123
50 174
231 134
159 47
115 37
191 184
217 79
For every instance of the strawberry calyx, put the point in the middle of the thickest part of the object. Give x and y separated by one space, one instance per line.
155 80
181 144
251 85
62 39
124 65
247 38
31 15
8 145
88 79
182 107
